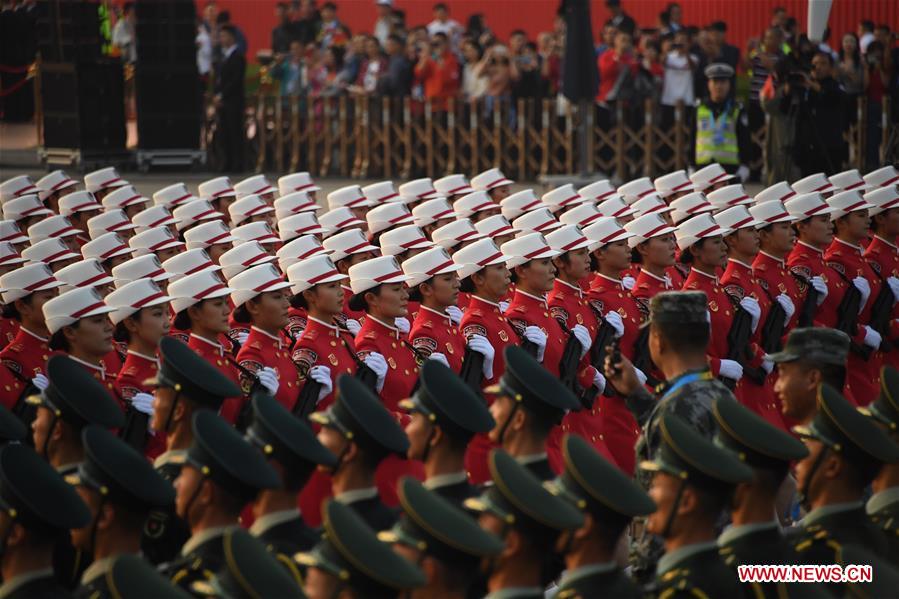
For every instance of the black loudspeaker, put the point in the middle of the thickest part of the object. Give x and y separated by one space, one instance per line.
84 106
70 30
166 30
169 106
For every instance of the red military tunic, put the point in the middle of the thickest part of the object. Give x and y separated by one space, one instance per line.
265 350
772 277
130 381
103 375
721 311
112 361
648 285
678 274
883 256
9 328
10 388
434 331
27 354
215 354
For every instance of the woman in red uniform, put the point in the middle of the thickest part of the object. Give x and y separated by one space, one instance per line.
883 254
652 250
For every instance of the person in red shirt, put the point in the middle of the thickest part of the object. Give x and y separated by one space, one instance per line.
612 63
438 71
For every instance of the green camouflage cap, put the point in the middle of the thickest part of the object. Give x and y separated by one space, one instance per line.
680 307
885 409
821 345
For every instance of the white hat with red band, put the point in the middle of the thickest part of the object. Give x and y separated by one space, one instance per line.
701 226
247 207
604 231
173 196
301 248
9 255
142 267
770 212
476 201
408 237
597 191
27 206
374 272
636 189
104 247
567 238
255 281
416 191
540 220
581 215
212 233
304 223
194 288
242 257
689 206
70 307
807 205
188 263
312 271
346 243
10 231
429 263
476 256
780 191
338 219
814 183
562 197
26 280
15 187
452 234
849 180
676 182
522 250
845 202
490 179
124 197
646 227
109 222
133 296
86 273
387 216
350 196
615 206
518 203
294 203
886 175
213 189
154 216
882 198
104 178
255 184
153 240
52 249
495 226
52 182
52 226
293 182
262 232
380 192
191 213
77 201
453 185
710 175
430 211
737 217
651 203
732 195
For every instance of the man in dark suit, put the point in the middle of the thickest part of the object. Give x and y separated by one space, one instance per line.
229 99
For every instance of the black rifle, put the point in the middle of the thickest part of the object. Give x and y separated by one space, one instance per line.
308 397
809 304
23 410
738 338
245 416
472 370
137 424
364 373
847 316
773 327
881 314
642 359
605 336
568 367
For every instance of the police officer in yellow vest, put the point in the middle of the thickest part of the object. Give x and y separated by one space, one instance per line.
722 126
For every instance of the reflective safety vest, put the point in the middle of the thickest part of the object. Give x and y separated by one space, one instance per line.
716 139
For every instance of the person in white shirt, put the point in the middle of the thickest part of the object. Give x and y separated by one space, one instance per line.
384 24
443 24
123 34
679 64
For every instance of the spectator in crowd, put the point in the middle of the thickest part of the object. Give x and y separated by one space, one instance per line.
442 23
353 59
780 100
675 14
229 100
330 32
819 135
289 70
529 83
474 86
384 23
438 71
373 67
851 68
123 34
477 27
616 69
727 53
324 80
517 40
779 18
306 21
824 44
619 19
550 49
607 39
865 34
761 62
877 84
500 71
650 64
397 79
224 19
282 33
204 52
677 86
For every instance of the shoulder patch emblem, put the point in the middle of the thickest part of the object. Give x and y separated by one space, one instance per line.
735 291
559 313
837 267
474 329
305 359
424 345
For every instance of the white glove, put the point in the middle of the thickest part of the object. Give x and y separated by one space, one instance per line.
480 344
893 282
787 304
353 326
455 314
583 336
743 173
821 287
731 370
268 379
402 323
872 337
143 403
861 283
641 376
599 381
614 320
751 305
321 375
503 306
41 382
767 366
628 282
535 335
378 364
243 336
438 357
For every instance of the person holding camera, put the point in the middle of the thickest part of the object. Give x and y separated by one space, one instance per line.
820 126
780 100
722 126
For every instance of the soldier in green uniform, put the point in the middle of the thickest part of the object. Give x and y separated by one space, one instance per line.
609 500
359 430
529 401
444 541
446 415
722 126
693 482
221 474
12 429
291 448
130 575
530 520
185 384
351 562
120 488
36 507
